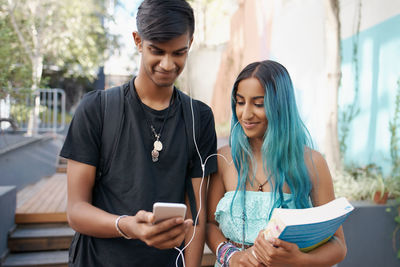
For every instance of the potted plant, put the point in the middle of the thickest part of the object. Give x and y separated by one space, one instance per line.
380 192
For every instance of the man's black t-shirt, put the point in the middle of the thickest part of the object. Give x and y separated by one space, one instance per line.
134 182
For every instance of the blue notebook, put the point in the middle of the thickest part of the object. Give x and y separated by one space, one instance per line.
308 228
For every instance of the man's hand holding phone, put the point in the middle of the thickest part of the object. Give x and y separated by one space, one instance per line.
164 210
164 228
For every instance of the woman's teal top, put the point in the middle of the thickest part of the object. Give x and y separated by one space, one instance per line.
258 209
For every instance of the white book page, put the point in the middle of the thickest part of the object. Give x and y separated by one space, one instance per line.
326 212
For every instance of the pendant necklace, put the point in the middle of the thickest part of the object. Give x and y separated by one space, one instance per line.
261 186
157 145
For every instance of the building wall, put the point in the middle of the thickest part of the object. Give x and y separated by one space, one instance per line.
378 62
200 72
8 205
249 41
292 32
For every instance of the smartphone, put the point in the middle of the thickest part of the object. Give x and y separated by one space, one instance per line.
165 210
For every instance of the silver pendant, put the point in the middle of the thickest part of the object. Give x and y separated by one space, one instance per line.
154 155
158 145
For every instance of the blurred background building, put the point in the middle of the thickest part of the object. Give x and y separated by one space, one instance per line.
343 57
231 34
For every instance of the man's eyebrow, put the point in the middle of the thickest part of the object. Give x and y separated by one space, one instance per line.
176 51
182 49
155 47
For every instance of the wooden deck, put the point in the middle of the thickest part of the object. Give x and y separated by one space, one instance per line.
44 201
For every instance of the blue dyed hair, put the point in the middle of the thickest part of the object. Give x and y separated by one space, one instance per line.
284 142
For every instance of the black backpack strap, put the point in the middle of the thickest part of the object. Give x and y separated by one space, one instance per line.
112 103
187 105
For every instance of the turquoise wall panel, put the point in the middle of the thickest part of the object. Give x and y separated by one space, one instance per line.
378 69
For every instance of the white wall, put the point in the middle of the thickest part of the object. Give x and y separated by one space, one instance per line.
298 42
200 73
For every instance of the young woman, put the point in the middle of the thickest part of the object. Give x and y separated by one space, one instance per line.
269 163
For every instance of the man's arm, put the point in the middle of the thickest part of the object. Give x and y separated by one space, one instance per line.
82 215
194 252
90 220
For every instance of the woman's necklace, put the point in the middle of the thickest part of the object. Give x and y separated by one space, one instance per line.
157 145
260 186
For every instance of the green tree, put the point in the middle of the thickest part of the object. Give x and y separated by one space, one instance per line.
209 13
60 35
14 68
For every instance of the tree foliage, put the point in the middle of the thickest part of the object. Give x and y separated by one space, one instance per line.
14 68
60 35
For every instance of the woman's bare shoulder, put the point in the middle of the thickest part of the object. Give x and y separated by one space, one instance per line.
317 168
314 158
224 156
225 150
321 178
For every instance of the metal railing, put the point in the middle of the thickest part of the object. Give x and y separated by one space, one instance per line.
47 104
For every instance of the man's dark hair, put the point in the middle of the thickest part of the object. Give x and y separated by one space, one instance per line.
164 20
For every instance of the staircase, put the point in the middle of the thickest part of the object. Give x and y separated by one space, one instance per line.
62 165
39 244
41 236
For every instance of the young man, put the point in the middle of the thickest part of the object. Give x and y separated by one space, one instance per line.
152 160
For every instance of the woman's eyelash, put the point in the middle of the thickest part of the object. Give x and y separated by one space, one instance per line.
241 103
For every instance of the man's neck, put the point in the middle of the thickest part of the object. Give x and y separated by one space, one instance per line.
151 95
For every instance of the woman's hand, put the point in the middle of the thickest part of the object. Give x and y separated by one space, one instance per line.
244 258
276 252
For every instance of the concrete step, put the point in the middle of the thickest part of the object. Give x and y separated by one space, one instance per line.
62 168
62 165
37 259
28 161
37 237
62 160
